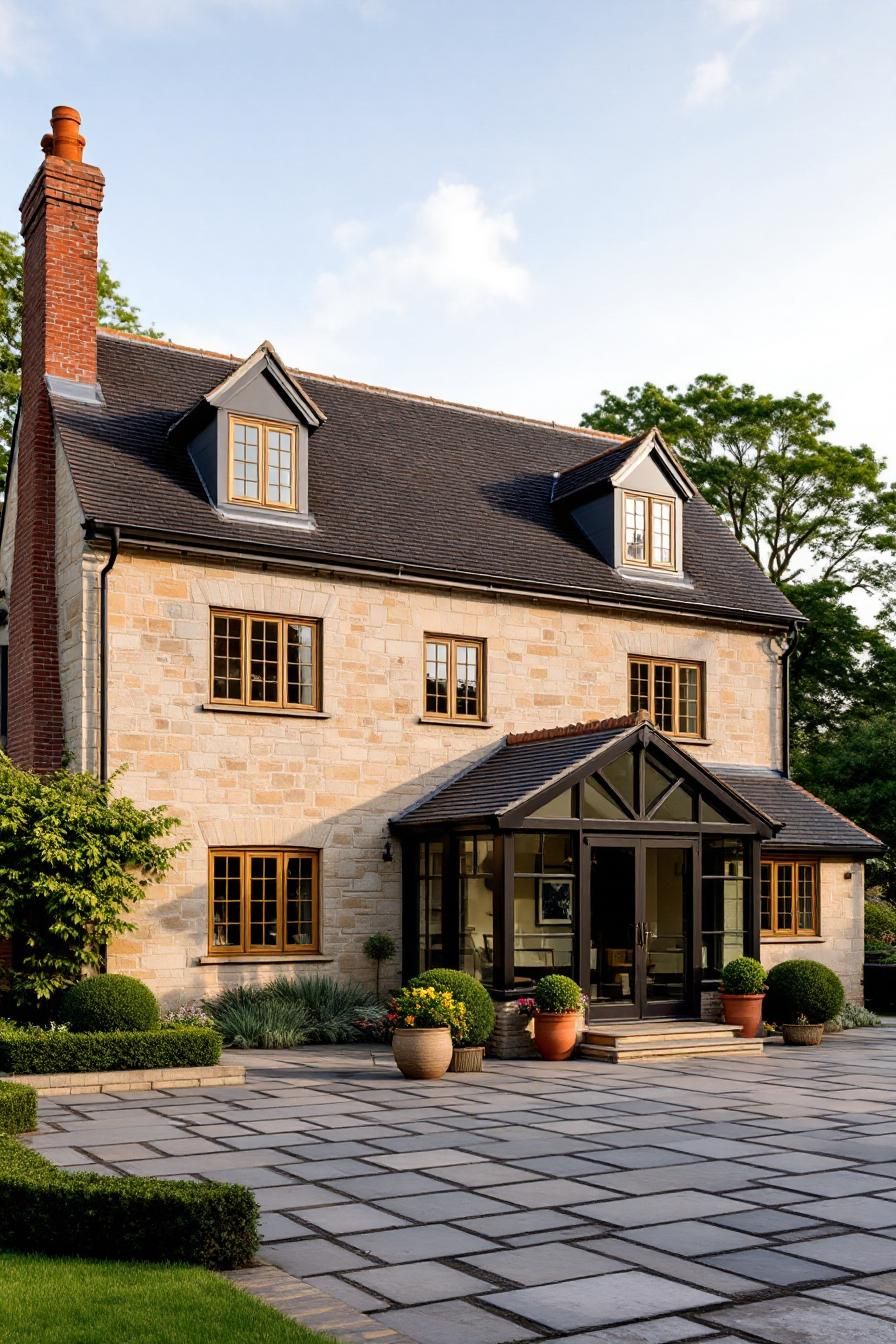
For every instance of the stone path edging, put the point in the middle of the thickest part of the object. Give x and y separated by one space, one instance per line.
130 1080
312 1307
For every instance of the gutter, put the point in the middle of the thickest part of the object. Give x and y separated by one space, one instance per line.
793 638
385 570
91 532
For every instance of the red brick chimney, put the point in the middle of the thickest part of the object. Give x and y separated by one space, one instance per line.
60 211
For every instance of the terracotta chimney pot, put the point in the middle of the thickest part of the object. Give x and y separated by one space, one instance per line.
66 142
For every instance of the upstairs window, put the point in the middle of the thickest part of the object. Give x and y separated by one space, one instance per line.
649 531
263 460
265 662
671 692
454 678
788 905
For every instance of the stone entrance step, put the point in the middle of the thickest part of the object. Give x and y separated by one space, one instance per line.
624 1042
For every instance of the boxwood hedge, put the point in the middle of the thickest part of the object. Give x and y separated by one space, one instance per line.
46 1210
18 1108
36 1051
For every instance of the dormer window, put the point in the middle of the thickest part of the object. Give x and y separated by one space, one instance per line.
649 531
262 463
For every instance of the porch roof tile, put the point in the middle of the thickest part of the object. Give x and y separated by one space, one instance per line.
807 824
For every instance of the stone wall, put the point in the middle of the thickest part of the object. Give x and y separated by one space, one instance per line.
331 783
840 943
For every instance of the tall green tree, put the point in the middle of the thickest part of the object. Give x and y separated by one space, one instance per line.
113 309
805 507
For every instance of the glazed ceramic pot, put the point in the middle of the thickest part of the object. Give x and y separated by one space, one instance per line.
802 1033
467 1059
555 1034
422 1052
744 1011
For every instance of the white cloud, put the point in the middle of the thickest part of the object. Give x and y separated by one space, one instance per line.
740 13
350 234
709 79
19 46
456 253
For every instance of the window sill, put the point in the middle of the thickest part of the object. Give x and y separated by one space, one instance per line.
453 723
790 939
261 958
277 711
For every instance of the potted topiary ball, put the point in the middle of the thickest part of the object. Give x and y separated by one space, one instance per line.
802 996
469 1046
742 992
558 1003
424 1021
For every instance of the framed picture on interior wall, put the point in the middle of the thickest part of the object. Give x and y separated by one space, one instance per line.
554 900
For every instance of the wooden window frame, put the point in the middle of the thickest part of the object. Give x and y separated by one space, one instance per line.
451 715
649 502
264 427
793 931
281 948
676 664
281 704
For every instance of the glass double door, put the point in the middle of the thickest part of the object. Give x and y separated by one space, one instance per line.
640 908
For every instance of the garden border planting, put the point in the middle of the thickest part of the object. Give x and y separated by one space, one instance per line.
32 1051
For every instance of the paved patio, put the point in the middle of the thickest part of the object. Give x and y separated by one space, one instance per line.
719 1200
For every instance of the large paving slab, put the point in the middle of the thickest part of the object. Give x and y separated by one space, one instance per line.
724 1199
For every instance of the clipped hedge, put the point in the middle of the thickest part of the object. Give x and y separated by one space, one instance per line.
480 1015
36 1051
18 1108
802 988
110 1003
46 1210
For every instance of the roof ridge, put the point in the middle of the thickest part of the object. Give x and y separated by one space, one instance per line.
624 441
577 729
421 397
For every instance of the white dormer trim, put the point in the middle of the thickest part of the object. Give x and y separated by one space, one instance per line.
655 445
306 409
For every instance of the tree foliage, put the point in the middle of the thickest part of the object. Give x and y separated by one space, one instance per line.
74 858
113 309
805 507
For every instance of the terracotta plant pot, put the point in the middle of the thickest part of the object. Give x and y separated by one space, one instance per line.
555 1034
744 1011
466 1059
422 1052
802 1033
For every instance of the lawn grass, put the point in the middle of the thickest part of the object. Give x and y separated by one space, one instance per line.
47 1301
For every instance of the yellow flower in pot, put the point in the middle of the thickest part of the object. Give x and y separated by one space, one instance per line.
424 1020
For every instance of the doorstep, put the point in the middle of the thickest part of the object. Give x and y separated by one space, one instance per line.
130 1080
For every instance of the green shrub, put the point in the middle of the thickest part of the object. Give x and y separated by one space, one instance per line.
480 1016
250 1018
37 1051
110 1003
854 1015
293 1011
18 1108
558 994
44 1209
880 924
803 988
379 947
743 975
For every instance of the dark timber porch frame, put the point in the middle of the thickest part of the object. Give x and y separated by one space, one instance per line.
734 819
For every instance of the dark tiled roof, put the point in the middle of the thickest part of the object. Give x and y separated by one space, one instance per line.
595 470
806 822
395 481
509 775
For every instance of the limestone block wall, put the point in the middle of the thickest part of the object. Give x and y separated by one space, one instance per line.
840 943
249 778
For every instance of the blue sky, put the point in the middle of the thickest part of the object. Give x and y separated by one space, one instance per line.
514 203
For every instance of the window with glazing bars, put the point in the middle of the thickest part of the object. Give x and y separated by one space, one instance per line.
671 692
263 463
268 662
788 898
454 677
263 901
649 531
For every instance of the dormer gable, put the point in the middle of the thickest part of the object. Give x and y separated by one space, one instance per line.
248 440
628 501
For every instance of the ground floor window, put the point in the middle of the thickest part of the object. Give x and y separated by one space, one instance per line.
263 900
544 904
725 904
788 905
476 895
430 889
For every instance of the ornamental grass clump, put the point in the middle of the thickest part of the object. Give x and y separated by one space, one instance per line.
480 1011
427 1006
